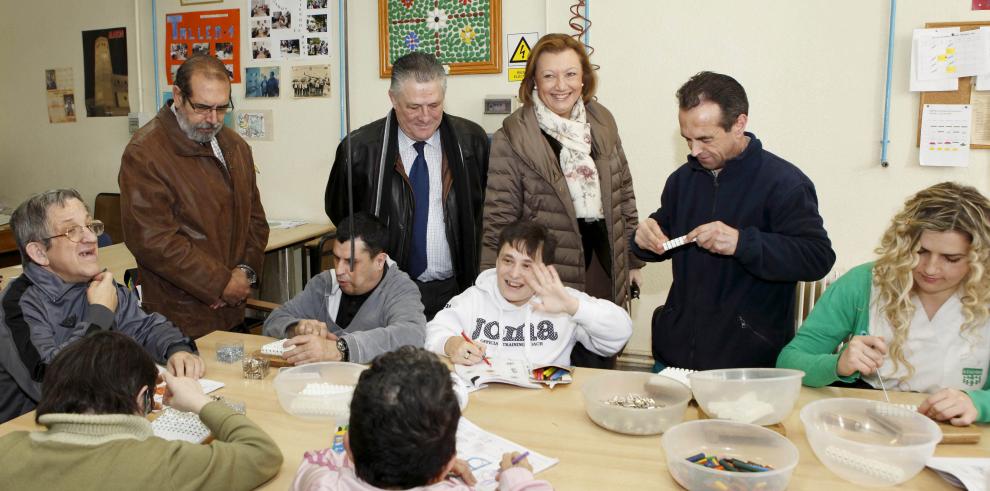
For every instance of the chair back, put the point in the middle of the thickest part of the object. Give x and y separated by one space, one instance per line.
107 210
807 295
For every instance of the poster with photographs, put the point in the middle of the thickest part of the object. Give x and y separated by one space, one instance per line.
262 81
311 81
289 29
211 32
60 96
253 124
105 72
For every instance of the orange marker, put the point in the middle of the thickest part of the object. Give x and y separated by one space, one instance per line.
483 357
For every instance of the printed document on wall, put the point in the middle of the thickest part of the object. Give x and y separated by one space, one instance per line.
983 80
945 134
953 55
918 85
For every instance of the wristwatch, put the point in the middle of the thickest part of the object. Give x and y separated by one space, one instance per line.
252 277
342 348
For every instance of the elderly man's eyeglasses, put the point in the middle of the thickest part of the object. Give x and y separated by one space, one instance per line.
203 109
76 233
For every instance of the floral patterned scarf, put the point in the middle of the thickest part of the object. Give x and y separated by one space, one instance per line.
579 169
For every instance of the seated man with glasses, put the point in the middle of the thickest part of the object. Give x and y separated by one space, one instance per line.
64 295
190 207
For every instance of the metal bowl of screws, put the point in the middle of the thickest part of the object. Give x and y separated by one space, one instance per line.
319 391
635 403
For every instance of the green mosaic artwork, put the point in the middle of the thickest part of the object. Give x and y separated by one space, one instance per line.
455 31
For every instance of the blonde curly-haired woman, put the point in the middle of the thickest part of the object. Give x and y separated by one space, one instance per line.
918 317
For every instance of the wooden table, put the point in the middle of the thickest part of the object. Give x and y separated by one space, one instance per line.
117 258
552 422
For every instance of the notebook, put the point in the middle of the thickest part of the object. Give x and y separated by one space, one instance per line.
483 452
502 370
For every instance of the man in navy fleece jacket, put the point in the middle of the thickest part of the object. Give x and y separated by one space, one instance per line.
752 231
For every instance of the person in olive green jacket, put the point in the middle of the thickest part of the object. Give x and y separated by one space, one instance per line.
94 400
917 319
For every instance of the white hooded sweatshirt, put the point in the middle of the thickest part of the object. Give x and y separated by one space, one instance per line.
487 318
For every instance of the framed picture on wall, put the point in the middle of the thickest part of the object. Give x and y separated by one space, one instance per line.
466 35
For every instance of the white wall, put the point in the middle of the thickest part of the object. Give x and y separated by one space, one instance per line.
814 72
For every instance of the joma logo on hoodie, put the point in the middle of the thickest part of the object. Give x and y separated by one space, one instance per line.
543 331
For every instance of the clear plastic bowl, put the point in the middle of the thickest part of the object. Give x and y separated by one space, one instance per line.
318 390
761 396
673 395
870 443
727 439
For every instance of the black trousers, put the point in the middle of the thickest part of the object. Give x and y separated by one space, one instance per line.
436 294
594 238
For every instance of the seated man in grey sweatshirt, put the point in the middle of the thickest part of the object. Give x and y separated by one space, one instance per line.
352 314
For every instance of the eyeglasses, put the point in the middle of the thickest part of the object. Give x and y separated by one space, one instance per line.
76 233
203 109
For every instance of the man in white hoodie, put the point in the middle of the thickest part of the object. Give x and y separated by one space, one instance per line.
521 309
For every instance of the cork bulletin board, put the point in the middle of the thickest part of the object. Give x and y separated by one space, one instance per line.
980 100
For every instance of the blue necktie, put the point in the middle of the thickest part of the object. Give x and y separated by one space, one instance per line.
419 177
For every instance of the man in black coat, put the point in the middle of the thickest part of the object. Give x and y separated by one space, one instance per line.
423 172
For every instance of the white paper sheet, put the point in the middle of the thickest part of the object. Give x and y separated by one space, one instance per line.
983 80
483 452
971 473
945 134
918 85
953 55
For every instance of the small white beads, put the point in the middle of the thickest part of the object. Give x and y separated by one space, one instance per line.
871 467
325 389
675 243
274 348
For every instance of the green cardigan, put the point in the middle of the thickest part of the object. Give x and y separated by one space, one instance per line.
843 311
117 451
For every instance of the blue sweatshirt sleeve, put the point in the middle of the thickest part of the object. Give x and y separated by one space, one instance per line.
797 248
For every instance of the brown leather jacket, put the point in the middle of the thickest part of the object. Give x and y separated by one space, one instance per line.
525 181
189 222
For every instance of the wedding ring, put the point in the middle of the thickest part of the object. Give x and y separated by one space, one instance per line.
467 355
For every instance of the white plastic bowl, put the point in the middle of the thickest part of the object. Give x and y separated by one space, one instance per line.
870 443
761 396
334 403
727 439
673 395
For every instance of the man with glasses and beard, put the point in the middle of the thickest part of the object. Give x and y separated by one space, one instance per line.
190 207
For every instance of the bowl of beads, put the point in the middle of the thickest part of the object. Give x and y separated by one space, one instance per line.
722 455
761 396
635 403
870 443
320 391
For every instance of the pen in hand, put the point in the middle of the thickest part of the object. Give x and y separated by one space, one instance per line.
484 358
519 458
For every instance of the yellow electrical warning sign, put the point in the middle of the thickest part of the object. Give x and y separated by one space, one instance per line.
517 74
521 53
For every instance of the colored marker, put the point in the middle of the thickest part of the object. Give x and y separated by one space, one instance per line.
483 357
519 458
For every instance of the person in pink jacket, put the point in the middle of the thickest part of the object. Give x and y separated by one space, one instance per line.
402 435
